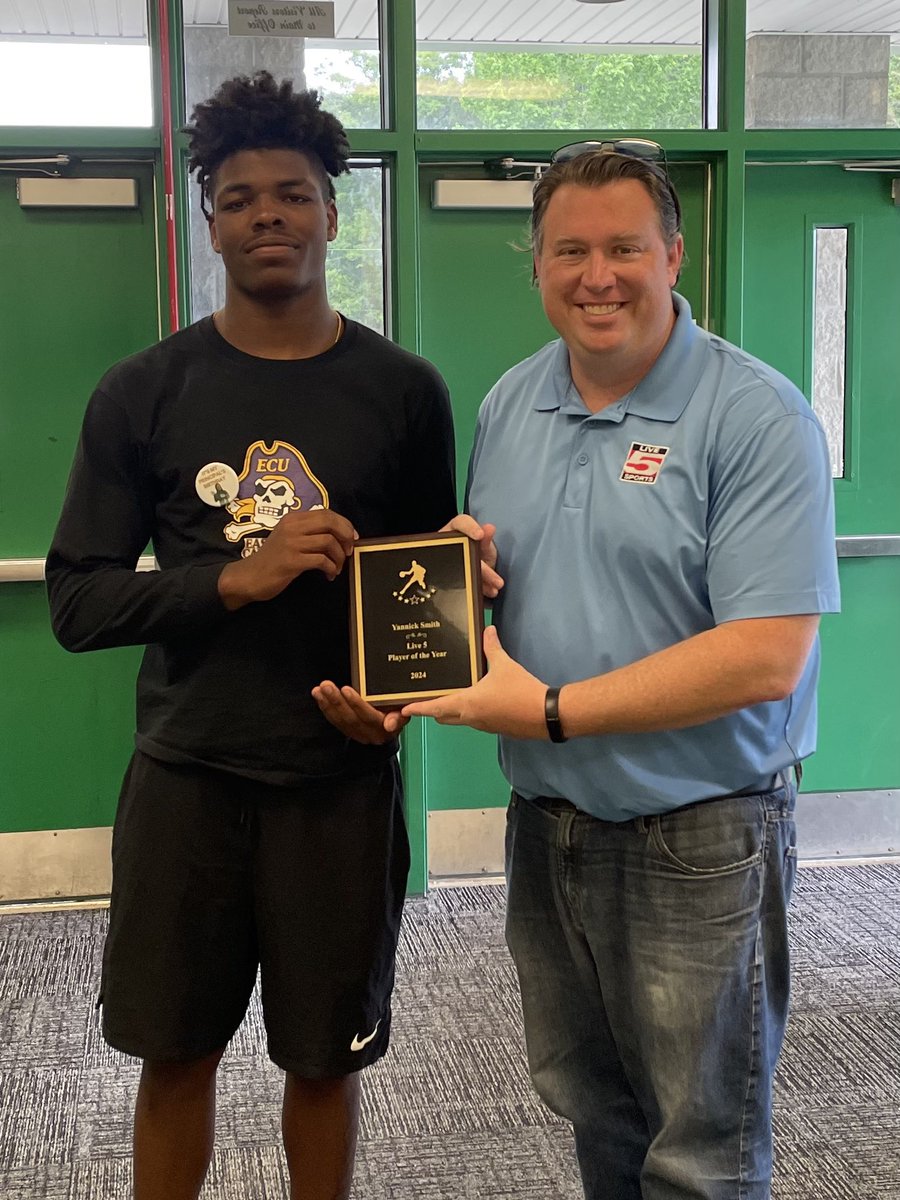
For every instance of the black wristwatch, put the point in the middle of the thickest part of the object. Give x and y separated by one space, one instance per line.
551 715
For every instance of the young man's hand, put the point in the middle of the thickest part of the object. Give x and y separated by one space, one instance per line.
354 717
318 540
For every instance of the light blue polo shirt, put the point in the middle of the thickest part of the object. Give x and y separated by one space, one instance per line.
702 496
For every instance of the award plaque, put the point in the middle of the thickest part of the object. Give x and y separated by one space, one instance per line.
416 617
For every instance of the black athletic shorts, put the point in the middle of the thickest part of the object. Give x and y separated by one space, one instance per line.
215 875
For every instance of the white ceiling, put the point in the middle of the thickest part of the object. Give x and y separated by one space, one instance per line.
448 23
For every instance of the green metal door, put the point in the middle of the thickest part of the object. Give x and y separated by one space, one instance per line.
856 772
78 291
480 315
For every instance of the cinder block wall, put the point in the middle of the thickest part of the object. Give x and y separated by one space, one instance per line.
823 81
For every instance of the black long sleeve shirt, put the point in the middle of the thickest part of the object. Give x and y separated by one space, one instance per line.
365 429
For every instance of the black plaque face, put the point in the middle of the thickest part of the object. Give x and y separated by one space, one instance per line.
416 617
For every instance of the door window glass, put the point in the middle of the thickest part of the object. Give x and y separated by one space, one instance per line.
490 64
829 66
829 366
345 69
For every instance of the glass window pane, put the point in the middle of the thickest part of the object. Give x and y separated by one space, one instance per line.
75 64
830 338
826 66
355 265
490 64
345 69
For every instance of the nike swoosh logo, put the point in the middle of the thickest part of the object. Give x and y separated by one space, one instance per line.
358 1042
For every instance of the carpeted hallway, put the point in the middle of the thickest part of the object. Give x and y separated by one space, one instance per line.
449 1114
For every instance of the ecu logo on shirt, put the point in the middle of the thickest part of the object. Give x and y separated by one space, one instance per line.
276 480
643 463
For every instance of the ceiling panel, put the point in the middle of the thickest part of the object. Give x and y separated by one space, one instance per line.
823 16
103 19
464 22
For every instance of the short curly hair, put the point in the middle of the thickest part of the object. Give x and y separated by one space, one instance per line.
256 113
598 168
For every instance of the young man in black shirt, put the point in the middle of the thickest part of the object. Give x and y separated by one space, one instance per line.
252 448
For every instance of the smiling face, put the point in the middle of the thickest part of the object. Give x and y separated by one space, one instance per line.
272 223
606 276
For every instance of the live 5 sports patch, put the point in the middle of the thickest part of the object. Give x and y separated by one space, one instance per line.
643 463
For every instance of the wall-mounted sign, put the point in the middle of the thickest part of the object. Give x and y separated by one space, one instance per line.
280 18
77 193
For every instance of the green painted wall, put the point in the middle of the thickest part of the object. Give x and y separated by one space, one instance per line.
859 708
67 721
79 292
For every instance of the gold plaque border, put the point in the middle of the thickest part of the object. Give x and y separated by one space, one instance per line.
401 543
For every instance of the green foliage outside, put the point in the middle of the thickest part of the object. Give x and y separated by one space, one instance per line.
894 91
353 95
507 90
590 91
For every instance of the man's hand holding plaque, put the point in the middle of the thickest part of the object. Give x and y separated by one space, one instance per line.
417 622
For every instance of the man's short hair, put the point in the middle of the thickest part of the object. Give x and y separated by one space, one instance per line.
597 168
256 113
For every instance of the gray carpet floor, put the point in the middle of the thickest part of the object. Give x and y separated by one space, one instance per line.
449 1114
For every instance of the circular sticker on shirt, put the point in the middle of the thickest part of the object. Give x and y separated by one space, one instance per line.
217 484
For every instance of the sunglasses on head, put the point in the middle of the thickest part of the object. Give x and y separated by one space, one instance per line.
641 148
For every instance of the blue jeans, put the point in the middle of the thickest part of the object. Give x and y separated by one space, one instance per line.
653 963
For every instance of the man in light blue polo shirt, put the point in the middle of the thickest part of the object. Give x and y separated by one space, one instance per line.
665 534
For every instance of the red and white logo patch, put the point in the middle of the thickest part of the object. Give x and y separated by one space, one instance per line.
643 463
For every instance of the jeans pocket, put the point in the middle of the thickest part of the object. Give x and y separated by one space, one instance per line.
719 837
